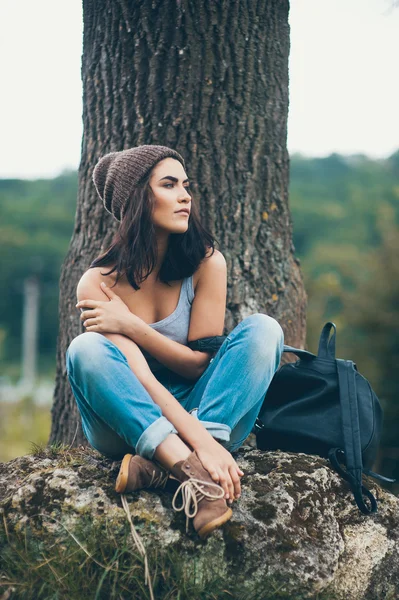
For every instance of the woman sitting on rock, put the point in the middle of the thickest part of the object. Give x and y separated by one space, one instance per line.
143 394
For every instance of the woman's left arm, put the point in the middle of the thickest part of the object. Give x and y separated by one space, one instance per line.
207 319
177 357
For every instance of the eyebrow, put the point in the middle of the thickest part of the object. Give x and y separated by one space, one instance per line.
173 178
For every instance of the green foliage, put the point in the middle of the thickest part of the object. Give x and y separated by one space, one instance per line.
338 200
345 214
22 424
346 231
36 224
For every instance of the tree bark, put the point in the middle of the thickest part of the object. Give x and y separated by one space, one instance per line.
209 79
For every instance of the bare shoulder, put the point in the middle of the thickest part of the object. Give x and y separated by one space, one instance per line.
211 267
214 262
95 274
89 284
90 277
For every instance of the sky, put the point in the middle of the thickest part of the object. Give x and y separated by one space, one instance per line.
344 85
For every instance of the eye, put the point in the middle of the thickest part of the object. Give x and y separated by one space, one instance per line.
172 184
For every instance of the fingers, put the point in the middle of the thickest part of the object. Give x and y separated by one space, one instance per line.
88 318
89 303
219 476
230 486
89 322
230 482
213 473
87 314
235 482
235 474
227 475
223 482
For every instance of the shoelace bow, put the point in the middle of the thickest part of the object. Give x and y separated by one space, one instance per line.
192 491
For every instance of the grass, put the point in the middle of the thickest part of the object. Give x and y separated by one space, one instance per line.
98 560
111 568
22 424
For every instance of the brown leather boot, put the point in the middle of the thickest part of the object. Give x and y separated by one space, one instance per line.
137 473
210 508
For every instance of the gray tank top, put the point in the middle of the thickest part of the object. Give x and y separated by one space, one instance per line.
176 325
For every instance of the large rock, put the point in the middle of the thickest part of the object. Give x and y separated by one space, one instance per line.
295 533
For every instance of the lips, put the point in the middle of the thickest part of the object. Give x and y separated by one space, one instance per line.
183 211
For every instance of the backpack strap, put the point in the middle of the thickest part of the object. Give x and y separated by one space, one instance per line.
351 437
335 455
207 344
378 476
303 354
327 346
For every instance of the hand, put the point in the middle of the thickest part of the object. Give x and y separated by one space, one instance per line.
111 316
222 467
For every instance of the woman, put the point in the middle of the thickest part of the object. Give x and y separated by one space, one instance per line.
171 412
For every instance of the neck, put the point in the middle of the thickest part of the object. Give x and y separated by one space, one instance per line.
162 240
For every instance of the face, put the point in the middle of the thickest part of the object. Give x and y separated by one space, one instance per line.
170 186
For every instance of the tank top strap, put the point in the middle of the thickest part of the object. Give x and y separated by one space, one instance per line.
188 282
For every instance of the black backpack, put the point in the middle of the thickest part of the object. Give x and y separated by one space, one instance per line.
323 405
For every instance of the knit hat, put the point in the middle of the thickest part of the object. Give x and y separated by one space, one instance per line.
117 173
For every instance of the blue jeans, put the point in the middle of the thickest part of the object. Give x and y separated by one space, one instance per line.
119 415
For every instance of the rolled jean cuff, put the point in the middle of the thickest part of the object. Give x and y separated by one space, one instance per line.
154 435
217 430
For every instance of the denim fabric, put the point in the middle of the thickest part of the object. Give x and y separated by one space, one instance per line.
119 415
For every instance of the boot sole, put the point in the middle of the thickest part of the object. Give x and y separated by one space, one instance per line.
123 476
209 527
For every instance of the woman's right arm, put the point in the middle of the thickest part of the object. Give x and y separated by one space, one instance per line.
215 459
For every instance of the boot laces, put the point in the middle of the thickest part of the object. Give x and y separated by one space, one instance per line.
160 480
192 491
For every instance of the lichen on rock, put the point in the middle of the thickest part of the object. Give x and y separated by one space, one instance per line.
295 533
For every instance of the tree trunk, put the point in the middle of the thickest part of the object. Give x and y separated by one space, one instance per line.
209 79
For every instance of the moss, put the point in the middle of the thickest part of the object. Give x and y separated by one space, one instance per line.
265 462
277 587
281 541
265 513
385 582
47 562
311 508
261 487
233 536
233 531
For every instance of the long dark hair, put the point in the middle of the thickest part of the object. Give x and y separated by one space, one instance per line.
133 250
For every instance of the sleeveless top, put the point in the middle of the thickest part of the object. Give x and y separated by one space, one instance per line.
176 325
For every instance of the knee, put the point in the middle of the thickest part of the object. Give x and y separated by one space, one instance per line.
265 333
85 349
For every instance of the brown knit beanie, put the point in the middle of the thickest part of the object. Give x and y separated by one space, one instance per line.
117 173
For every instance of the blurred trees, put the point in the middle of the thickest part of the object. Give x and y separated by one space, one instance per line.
346 231
36 221
346 225
345 212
